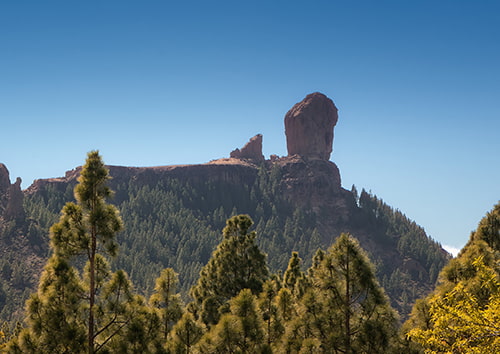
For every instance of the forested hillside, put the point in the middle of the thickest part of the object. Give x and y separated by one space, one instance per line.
173 218
238 306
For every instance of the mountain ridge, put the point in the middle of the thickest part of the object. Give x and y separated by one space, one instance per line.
173 214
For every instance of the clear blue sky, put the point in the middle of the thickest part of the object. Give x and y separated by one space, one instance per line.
417 84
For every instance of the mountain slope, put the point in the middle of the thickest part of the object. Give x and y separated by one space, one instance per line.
174 215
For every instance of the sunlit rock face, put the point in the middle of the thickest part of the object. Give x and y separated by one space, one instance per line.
252 150
309 127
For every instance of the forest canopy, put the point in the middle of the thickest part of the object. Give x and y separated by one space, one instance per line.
237 297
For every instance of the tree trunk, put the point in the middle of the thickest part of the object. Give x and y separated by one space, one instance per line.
347 305
92 291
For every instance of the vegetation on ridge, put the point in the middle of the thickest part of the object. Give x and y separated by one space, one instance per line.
238 305
175 222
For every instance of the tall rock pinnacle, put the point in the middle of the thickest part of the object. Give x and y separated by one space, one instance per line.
4 179
309 127
11 196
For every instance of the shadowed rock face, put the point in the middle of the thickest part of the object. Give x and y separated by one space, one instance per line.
15 208
11 196
4 179
309 127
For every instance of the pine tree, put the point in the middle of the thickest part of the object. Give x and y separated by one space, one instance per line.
460 322
87 227
286 304
124 322
461 310
488 229
185 334
293 273
236 264
345 309
54 309
92 300
273 322
239 331
166 300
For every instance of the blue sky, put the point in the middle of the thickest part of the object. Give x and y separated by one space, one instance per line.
151 83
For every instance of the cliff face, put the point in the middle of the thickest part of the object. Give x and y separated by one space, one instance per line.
309 180
21 258
11 197
4 188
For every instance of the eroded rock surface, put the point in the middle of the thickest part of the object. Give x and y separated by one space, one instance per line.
11 197
252 150
4 180
309 127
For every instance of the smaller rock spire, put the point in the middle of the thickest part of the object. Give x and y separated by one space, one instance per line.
252 150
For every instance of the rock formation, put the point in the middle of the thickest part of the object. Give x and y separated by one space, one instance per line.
252 150
297 202
4 180
309 127
4 188
11 196
14 209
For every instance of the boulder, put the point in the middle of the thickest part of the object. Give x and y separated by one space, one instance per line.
309 127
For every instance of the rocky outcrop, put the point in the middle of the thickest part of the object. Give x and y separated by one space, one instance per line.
315 185
252 150
309 127
14 209
4 180
11 197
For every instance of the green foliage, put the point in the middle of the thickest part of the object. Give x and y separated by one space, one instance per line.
174 222
166 300
345 310
337 306
90 309
293 274
460 321
462 313
391 228
487 229
185 334
236 264
55 308
273 320
240 331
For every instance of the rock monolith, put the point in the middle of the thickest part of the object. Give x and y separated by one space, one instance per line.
309 127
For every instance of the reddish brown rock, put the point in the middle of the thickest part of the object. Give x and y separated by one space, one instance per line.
252 150
11 196
309 127
14 209
4 179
